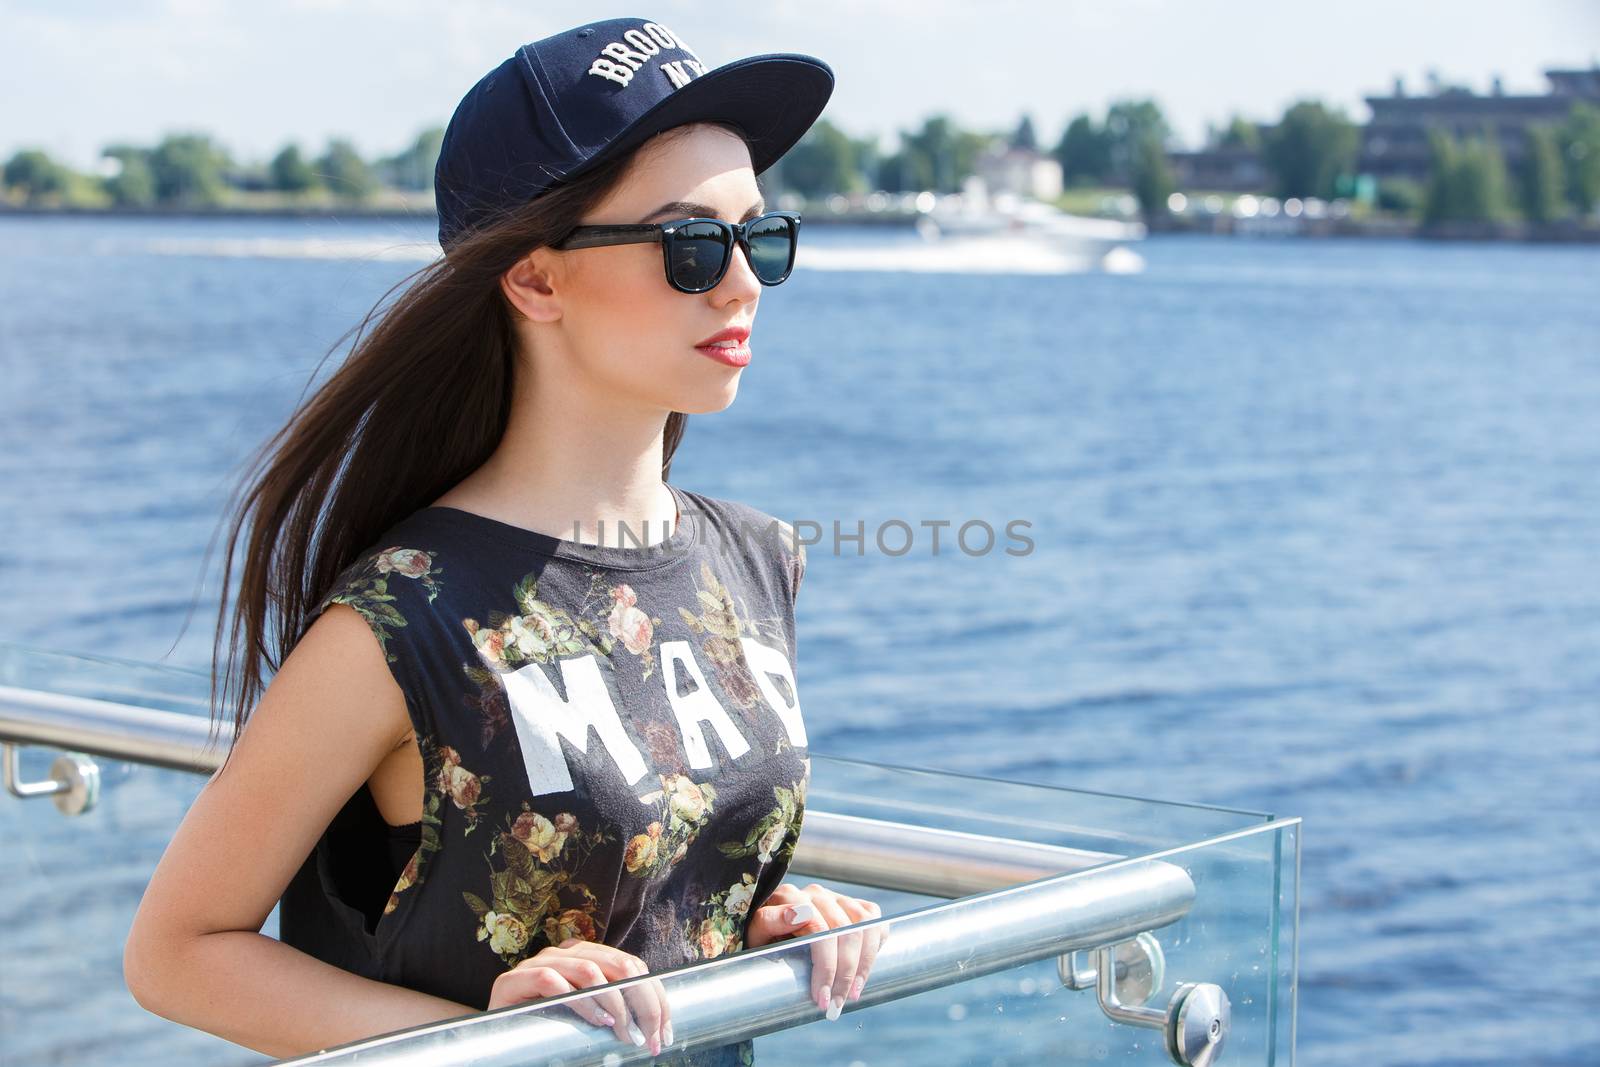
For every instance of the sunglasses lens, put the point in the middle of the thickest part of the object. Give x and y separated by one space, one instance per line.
771 248
698 250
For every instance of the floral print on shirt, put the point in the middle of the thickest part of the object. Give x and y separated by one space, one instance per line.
720 625
775 835
685 807
533 893
722 931
368 592
429 832
461 786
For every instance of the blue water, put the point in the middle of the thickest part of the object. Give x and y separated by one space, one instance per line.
1315 528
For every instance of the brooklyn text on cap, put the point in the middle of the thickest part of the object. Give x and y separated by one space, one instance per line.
575 99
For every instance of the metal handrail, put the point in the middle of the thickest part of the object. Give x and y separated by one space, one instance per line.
759 991
869 852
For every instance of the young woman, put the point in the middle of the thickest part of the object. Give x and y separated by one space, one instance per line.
516 744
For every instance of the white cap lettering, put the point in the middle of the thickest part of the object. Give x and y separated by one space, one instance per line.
642 41
619 51
607 69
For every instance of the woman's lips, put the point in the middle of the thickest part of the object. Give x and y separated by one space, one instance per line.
733 355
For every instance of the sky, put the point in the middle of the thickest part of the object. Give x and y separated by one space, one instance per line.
77 75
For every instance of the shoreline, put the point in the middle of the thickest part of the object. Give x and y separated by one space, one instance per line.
1564 231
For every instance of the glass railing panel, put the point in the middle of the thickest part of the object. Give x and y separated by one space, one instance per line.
975 981
1048 814
134 682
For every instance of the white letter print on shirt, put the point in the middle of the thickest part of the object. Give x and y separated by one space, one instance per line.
542 718
699 706
764 662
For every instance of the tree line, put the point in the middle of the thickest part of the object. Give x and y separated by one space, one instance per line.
1311 151
194 170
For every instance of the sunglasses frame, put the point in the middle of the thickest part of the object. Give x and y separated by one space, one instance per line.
733 233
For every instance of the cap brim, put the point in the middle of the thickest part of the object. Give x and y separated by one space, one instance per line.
775 98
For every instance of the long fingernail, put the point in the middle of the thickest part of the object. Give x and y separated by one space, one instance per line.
801 913
635 1034
669 1033
855 987
606 1019
835 1007
820 995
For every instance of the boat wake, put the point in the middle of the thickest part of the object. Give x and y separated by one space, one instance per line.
993 256
975 257
296 248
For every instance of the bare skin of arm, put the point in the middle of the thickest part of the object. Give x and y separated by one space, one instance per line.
331 719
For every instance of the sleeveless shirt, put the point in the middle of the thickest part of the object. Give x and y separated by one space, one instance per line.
612 744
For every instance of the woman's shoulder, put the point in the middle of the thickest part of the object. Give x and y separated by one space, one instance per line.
735 513
740 528
386 582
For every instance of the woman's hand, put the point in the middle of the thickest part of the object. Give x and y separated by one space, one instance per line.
577 964
839 965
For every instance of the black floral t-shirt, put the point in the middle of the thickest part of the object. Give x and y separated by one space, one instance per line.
612 744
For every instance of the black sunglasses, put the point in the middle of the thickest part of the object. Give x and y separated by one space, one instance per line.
696 252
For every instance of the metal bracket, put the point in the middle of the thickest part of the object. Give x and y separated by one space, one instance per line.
1127 975
74 781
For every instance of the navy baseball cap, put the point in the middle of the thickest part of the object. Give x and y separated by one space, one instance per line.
575 99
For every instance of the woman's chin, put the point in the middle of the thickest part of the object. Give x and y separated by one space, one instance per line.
707 401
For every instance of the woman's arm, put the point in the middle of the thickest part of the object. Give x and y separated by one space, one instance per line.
195 953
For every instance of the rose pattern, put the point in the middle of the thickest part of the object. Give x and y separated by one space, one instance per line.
464 788
367 589
775 835
533 894
722 931
720 625
684 807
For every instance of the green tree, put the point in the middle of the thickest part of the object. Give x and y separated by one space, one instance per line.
290 173
343 170
1129 125
822 163
1400 195
1485 187
865 150
188 169
1579 139
943 151
1440 201
134 183
1084 152
904 172
1239 133
412 168
1150 177
1540 179
1467 179
1309 149
38 176
1024 137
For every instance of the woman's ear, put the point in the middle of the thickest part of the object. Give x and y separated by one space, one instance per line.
531 285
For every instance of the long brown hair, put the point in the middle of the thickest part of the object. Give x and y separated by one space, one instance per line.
421 402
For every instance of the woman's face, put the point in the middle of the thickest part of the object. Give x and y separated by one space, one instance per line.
627 333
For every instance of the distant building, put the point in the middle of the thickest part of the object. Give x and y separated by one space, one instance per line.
1395 143
1023 171
1229 169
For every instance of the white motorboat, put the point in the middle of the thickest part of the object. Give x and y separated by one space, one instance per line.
975 223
